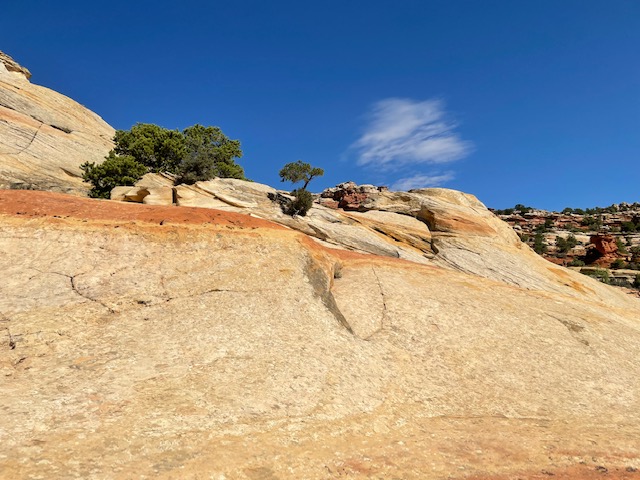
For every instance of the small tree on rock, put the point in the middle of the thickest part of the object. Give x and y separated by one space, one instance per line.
300 171
303 200
295 172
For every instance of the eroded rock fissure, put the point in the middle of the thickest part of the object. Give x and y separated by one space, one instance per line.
384 317
35 134
217 290
74 288
321 287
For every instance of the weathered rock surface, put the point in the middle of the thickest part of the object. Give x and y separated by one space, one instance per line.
605 244
9 65
45 136
432 226
148 341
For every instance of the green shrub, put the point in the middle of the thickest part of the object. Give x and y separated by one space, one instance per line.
209 154
599 274
302 202
539 245
576 263
628 227
155 147
566 244
115 170
617 263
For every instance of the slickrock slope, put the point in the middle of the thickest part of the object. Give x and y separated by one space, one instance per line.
162 342
433 226
45 136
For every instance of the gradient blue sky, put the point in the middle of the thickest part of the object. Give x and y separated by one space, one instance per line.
534 102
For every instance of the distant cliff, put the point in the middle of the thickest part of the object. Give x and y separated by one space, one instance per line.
593 239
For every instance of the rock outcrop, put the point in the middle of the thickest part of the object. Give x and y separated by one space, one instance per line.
156 341
45 136
597 234
604 244
432 226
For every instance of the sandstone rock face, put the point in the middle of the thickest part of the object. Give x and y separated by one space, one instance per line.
9 65
45 136
147 341
604 244
432 226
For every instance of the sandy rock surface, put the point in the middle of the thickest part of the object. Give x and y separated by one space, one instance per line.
145 341
45 136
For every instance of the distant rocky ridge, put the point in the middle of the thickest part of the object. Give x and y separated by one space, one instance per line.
45 136
595 241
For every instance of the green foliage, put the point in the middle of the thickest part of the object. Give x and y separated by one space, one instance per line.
545 227
115 170
299 171
594 223
617 263
155 147
197 153
621 246
636 282
576 263
209 154
628 227
566 244
599 274
302 202
522 209
539 245
506 211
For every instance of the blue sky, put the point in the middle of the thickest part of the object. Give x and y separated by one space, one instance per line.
534 102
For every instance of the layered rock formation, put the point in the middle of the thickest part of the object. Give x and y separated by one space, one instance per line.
432 226
605 239
45 136
147 341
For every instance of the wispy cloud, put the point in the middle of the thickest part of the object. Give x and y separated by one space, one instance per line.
402 132
422 181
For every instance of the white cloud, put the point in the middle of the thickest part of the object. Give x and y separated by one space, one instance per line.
422 181
403 132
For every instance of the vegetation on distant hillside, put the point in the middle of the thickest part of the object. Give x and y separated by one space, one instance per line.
296 172
600 274
518 208
619 223
566 244
194 154
539 244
